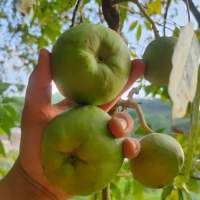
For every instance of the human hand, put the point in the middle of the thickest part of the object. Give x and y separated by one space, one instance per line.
38 111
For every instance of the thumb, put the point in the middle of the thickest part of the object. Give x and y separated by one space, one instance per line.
138 69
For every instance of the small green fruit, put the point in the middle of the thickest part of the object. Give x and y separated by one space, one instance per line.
90 64
159 161
158 59
79 154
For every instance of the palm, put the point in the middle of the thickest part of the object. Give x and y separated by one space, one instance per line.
38 111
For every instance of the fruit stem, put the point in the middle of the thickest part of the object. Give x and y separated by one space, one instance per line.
106 193
194 133
131 104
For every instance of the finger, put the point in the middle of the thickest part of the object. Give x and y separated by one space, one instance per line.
63 105
39 85
108 106
131 148
121 124
138 68
42 70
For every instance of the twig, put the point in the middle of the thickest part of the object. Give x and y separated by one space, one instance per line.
131 10
140 6
188 10
75 12
106 193
133 105
134 90
81 14
195 177
194 11
160 24
165 16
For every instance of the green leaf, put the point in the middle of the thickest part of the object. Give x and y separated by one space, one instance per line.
166 192
99 2
42 42
86 1
139 32
123 13
180 194
147 25
70 4
154 7
132 53
138 190
197 33
52 31
4 87
10 109
2 132
176 32
174 195
133 25
20 87
2 150
127 188
115 190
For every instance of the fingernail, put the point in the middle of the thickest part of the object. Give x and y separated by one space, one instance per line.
136 146
123 123
131 148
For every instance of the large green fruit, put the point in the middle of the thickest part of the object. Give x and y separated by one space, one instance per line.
158 59
79 154
90 63
159 161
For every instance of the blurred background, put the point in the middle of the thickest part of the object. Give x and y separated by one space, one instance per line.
28 25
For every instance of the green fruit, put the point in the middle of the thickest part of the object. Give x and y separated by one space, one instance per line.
79 154
159 161
158 59
90 64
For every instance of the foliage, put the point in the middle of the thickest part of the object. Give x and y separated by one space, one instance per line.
25 30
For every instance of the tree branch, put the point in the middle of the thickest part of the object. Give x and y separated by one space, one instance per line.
131 10
77 6
194 10
118 1
140 6
111 14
